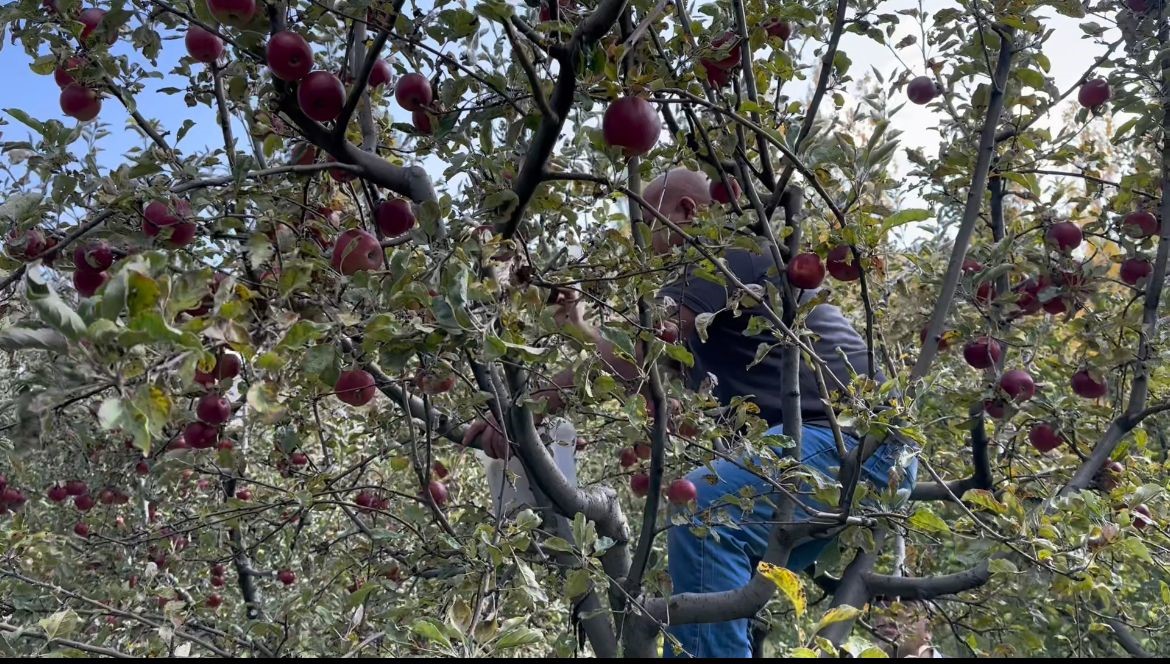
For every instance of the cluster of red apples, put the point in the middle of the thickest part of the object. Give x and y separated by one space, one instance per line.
680 492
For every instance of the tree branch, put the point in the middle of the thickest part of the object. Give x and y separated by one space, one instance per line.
985 152
927 587
68 643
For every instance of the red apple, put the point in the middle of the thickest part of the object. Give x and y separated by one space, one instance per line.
87 282
943 344
356 250
1065 236
545 14
806 271
200 435
971 266
1086 385
922 89
299 459
321 96
728 43
91 18
94 255
26 246
289 56
244 494
81 529
438 492
1135 271
667 331
76 488
234 12
303 153
1017 384
1094 93
628 457
982 352
203 46
286 576
172 215
1044 437
79 102
65 72
422 122
355 387
57 493
643 451
213 601
84 503
226 445
631 123
227 365
640 484
1110 476
778 27
1028 296
394 217
681 492
413 92
1139 224
720 193
142 467
985 293
380 75
213 409
1139 6
1141 517
364 499
840 265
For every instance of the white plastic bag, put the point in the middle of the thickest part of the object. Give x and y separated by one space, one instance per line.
510 490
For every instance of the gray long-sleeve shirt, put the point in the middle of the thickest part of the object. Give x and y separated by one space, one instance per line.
729 349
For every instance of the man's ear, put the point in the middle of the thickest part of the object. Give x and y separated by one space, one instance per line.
689 207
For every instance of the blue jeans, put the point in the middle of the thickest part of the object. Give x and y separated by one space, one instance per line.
703 564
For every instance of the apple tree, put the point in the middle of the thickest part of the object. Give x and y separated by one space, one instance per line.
241 353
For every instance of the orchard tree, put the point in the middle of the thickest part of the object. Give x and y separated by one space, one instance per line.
237 372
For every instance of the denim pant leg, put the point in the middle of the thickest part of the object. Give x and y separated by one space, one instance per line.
726 557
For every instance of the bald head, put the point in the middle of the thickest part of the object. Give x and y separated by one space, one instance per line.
678 194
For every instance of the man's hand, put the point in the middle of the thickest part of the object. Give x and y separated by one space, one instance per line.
491 437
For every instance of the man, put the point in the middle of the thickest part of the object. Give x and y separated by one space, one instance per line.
725 558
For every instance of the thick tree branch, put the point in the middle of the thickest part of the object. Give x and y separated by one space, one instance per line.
981 477
928 587
531 170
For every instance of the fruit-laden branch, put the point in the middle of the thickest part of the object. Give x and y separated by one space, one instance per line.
69 239
927 587
980 477
192 19
1043 110
814 104
687 97
363 78
26 633
1139 389
966 229
531 171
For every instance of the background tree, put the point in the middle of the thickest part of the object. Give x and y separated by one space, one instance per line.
237 372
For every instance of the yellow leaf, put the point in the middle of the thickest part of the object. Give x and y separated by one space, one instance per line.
802 653
838 614
788 583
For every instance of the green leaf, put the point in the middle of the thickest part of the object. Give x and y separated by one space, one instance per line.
52 310
23 338
903 217
264 398
61 624
521 636
26 119
803 653
577 583
680 354
428 628
924 519
1031 78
